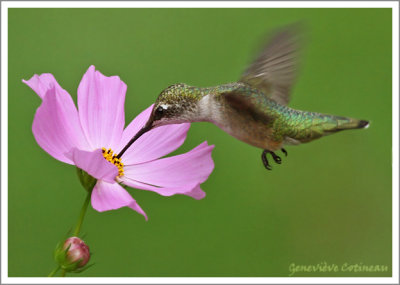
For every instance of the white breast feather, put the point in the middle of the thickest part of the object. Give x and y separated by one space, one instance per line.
208 109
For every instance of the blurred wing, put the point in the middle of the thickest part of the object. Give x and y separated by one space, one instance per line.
275 69
248 105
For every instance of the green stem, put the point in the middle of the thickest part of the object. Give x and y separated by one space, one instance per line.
53 272
82 215
76 231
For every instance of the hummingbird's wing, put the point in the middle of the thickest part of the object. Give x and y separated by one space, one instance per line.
248 104
275 69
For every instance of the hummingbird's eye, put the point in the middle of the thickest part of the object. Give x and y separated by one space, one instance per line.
159 112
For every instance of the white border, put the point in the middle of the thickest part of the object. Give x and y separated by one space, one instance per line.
211 280
201 4
395 142
4 143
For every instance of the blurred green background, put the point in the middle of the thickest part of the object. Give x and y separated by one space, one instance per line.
329 201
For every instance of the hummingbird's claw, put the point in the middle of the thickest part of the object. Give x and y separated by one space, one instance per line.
265 160
284 151
276 158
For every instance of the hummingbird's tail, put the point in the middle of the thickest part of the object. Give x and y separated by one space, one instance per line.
315 125
348 123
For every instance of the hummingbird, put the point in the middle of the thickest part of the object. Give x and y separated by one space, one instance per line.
253 109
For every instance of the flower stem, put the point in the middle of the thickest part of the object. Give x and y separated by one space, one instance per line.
54 272
82 215
76 231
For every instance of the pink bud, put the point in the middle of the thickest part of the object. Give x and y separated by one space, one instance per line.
77 250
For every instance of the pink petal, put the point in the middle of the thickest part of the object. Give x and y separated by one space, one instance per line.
42 83
106 196
179 174
192 167
56 127
191 190
196 193
101 108
153 144
94 164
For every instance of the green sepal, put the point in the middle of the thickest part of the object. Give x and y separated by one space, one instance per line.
83 268
87 181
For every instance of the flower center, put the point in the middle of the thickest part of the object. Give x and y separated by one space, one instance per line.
109 156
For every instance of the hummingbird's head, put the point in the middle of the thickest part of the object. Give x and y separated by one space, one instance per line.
175 105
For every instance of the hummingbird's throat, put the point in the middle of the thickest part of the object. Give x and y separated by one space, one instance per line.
111 157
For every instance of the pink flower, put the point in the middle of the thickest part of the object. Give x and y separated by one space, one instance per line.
80 138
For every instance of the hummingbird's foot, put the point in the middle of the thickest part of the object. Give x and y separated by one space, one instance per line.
276 158
265 160
284 151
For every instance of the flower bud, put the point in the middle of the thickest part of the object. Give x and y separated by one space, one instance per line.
73 255
77 250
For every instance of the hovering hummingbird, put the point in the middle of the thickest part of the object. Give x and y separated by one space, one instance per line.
254 109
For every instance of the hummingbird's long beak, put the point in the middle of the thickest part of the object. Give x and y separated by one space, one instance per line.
145 129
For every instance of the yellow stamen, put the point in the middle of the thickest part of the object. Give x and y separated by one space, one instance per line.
108 155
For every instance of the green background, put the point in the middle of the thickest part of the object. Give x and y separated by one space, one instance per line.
329 201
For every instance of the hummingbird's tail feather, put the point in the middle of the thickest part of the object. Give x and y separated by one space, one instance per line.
314 125
336 124
350 123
